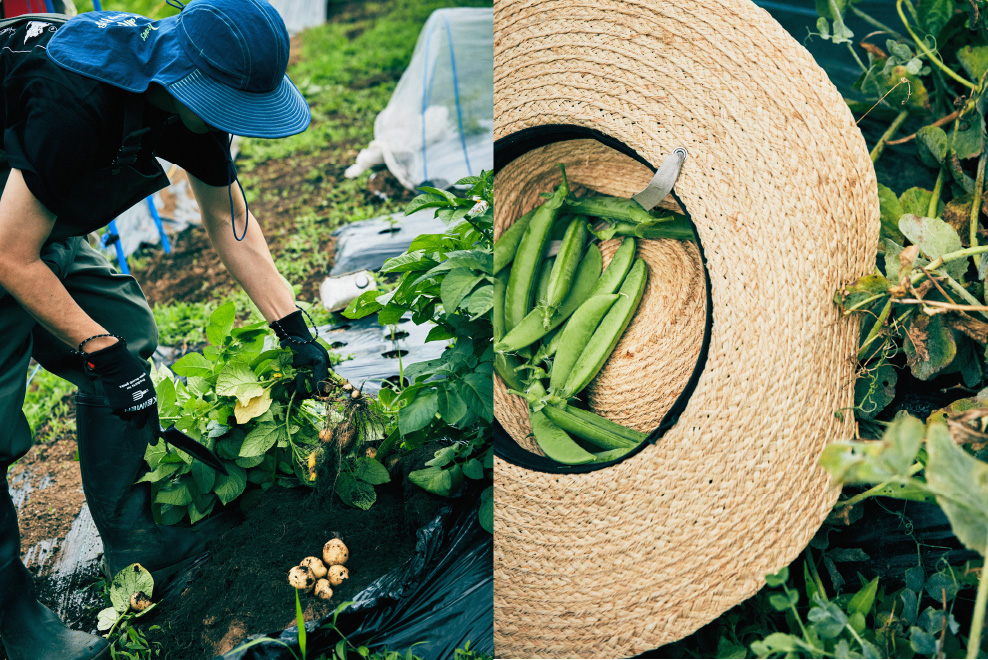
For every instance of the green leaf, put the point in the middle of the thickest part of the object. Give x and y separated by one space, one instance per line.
934 238
174 494
473 469
778 579
915 577
363 305
193 364
425 201
107 617
253 408
260 439
370 470
238 379
230 487
917 202
942 586
443 457
891 210
163 471
354 492
433 479
439 333
929 345
778 643
452 408
960 483
922 642
782 602
969 142
203 475
931 142
479 394
486 513
172 515
934 14
419 412
456 285
829 619
391 314
862 601
876 462
974 59
408 261
221 323
873 391
129 581
481 301
730 650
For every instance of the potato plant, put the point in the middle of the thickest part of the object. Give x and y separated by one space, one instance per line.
237 398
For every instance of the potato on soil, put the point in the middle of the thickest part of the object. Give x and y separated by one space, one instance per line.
323 590
337 574
335 552
140 601
302 578
315 565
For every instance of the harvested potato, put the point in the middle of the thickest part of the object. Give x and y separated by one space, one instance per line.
323 590
335 552
337 574
302 578
315 565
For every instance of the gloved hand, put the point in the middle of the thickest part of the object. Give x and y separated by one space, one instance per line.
129 390
307 352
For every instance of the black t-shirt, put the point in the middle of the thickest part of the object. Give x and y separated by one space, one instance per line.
64 130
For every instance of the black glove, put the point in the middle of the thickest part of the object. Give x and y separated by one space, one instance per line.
307 352
129 390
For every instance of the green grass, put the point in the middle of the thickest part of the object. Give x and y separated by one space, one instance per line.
44 404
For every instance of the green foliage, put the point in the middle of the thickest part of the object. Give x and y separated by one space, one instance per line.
446 280
127 641
46 405
236 399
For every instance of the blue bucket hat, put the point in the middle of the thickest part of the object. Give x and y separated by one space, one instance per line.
224 59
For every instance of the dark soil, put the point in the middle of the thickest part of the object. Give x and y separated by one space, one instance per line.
243 587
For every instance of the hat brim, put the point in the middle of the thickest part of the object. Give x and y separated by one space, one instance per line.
782 192
275 114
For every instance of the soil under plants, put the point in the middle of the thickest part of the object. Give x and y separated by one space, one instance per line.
242 589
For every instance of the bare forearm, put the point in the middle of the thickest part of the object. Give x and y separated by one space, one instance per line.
42 294
251 264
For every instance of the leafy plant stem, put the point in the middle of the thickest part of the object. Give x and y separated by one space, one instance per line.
963 293
935 197
926 51
870 20
979 185
893 127
876 490
876 329
857 59
946 258
978 620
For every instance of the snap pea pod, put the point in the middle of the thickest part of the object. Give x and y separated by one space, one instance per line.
609 282
518 297
556 443
596 435
636 437
678 229
545 272
612 208
574 337
507 368
531 329
610 454
507 243
497 317
606 337
565 266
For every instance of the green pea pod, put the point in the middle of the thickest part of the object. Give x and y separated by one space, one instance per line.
531 329
609 282
606 337
507 243
612 208
616 270
595 435
574 337
497 317
521 284
507 369
633 436
567 260
545 272
556 443
610 454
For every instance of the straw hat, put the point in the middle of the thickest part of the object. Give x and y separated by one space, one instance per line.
747 365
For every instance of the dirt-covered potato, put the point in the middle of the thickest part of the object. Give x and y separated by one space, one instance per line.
337 574
315 565
302 578
140 601
335 553
323 590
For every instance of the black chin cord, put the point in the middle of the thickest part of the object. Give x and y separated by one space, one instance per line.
229 190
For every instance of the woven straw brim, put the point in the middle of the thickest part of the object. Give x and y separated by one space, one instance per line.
782 192
658 351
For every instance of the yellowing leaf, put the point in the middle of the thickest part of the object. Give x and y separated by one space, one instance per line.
253 408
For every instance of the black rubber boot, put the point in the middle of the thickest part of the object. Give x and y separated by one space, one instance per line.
29 630
111 457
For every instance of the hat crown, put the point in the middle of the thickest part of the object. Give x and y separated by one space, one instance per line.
241 43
